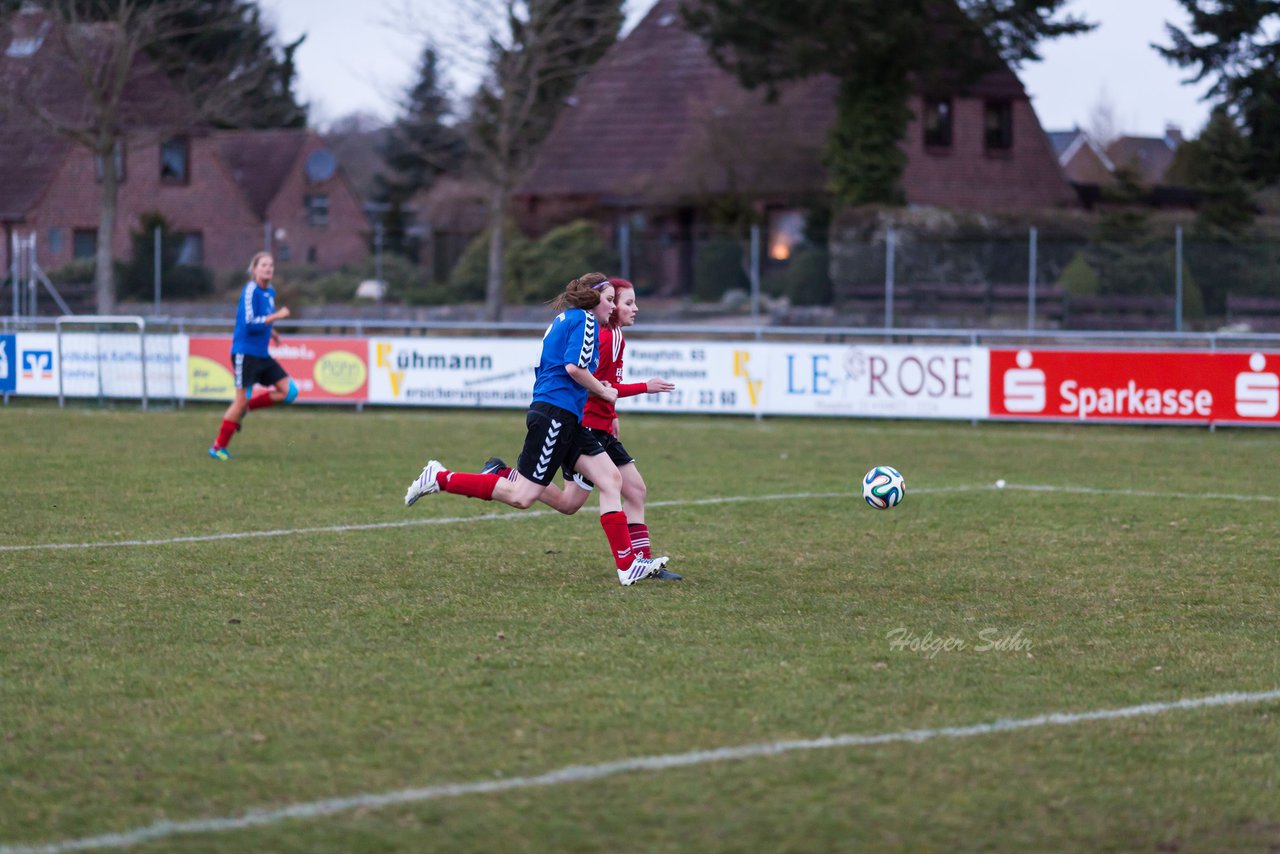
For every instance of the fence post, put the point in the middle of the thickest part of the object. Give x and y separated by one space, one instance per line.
1031 279
157 268
624 248
1177 278
889 242
755 276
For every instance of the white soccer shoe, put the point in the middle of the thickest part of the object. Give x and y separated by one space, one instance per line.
425 484
641 567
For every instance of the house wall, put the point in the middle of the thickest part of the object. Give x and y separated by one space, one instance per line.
344 240
968 176
210 204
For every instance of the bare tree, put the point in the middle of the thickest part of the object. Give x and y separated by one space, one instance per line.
531 55
1104 124
100 72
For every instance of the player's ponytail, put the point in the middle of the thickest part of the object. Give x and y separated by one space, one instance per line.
582 292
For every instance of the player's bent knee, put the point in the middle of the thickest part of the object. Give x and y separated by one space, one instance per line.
292 394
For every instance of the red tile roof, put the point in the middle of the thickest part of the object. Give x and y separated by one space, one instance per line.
29 159
656 119
260 160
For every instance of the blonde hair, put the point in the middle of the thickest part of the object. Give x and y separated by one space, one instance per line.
582 292
257 256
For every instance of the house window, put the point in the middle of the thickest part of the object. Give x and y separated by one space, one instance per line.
117 156
998 124
937 122
175 161
190 248
84 242
57 237
317 208
786 230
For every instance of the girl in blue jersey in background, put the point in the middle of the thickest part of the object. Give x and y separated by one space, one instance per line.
563 378
251 362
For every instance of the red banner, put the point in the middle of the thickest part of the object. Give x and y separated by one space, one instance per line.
1129 386
325 369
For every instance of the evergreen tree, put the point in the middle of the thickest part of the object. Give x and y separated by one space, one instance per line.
878 52
1217 166
1239 49
420 147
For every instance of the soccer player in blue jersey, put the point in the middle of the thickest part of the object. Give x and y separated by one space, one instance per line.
563 378
250 359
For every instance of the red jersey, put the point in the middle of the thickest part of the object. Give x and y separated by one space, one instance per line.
599 414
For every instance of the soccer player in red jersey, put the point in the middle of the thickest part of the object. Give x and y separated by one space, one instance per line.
600 416
555 434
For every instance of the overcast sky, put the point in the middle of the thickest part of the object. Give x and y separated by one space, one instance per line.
354 59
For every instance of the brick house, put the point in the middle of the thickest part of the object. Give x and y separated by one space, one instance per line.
225 194
1083 161
656 134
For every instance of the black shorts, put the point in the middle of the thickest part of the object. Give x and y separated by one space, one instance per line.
554 436
256 370
609 444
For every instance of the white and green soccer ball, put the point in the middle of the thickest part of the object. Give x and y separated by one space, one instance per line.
883 487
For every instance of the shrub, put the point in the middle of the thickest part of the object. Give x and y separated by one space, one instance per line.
1078 278
807 279
719 268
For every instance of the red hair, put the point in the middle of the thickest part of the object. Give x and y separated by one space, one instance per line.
618 286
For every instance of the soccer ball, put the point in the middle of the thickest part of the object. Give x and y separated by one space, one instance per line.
883 487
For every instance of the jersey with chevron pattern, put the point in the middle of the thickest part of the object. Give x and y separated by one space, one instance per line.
571 339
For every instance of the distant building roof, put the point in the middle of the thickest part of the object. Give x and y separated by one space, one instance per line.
1148 157
260 161
656 119
29 159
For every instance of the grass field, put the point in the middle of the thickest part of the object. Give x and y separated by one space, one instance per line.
155 672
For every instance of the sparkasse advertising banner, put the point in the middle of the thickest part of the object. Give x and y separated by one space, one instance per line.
327 370
1136 386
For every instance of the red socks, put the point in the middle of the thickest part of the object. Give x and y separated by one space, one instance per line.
225 432
615 529
471 485
261 401
640 539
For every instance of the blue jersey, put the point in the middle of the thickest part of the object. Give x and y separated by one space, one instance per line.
569 340
253 333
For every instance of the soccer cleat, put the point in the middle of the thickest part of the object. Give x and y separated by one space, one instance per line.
425 484
583 482
667 575
641 567
220 454
492 465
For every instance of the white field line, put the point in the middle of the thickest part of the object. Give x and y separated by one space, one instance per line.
534 514
583 773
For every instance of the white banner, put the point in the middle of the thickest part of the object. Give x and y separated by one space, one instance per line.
106 364
480 372
892 381
896 381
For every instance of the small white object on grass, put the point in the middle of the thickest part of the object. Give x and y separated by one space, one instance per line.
1000 484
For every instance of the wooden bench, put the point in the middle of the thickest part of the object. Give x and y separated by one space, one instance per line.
1261 313
1120 312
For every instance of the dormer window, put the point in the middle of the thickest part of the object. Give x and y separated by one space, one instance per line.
317 208
937 122
998 125
175 161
